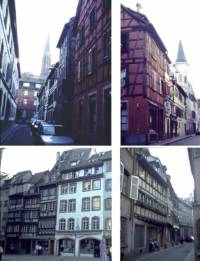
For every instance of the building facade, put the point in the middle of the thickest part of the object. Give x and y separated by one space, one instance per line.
150 209
92 92
64 106
68 206
144 62
9 62
27 98
194 157
84 203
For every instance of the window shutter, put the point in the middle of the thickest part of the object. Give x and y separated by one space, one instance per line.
134 187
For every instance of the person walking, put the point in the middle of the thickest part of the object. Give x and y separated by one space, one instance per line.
1 252
103 250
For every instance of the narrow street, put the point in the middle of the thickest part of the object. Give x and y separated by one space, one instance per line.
20 136
178 253
194 140
46 258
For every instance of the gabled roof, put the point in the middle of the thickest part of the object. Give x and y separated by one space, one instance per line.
64 31
38 177
21 177
181 55
147 26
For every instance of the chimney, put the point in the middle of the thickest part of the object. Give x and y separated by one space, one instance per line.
57 156
139 7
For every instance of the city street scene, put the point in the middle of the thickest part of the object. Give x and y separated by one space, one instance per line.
160 214
160 95
58 209
55 72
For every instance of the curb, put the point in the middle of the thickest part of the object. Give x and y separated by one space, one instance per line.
173 141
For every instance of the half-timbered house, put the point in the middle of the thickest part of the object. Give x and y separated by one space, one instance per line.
92 94
144 62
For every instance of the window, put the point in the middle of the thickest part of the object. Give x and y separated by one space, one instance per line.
64 189
108 204
25 101
1 54
62 224
107 44
107 165
108 224
35 103
80 109
38 85
87 172
95 223
124 42
26 84
124 116
86 186
63 206
154 80
72 188
82 35
92 113
98 170
96 184
96 203
85 223
92 19
161 86
86 204
25 92
70 224
72 205
91 60
79 71
35 94
108 184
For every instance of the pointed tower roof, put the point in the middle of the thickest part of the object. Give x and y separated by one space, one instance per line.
180 55
47 46
46 60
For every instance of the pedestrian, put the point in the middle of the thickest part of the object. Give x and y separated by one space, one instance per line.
110 253
37 249
103 250
1 252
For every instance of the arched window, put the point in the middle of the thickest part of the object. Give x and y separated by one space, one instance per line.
71 224
95 223
85 223
62 224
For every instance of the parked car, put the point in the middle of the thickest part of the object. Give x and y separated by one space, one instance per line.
35 124
198 131
189 239
49 134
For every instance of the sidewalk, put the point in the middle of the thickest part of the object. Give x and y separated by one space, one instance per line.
144 257
8 132
170 141
190 256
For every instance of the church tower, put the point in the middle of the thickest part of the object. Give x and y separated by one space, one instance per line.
181 63
46 60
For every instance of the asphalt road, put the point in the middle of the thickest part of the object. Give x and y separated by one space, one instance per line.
46 258
194 140
21 136
178 253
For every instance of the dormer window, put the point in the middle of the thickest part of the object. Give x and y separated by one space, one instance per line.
74 163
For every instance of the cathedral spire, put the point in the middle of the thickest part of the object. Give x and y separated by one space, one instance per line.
46 60
180 55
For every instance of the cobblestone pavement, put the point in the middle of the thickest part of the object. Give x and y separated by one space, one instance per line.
46 258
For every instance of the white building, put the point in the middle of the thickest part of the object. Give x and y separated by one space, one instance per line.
84 204
9 61
181 72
